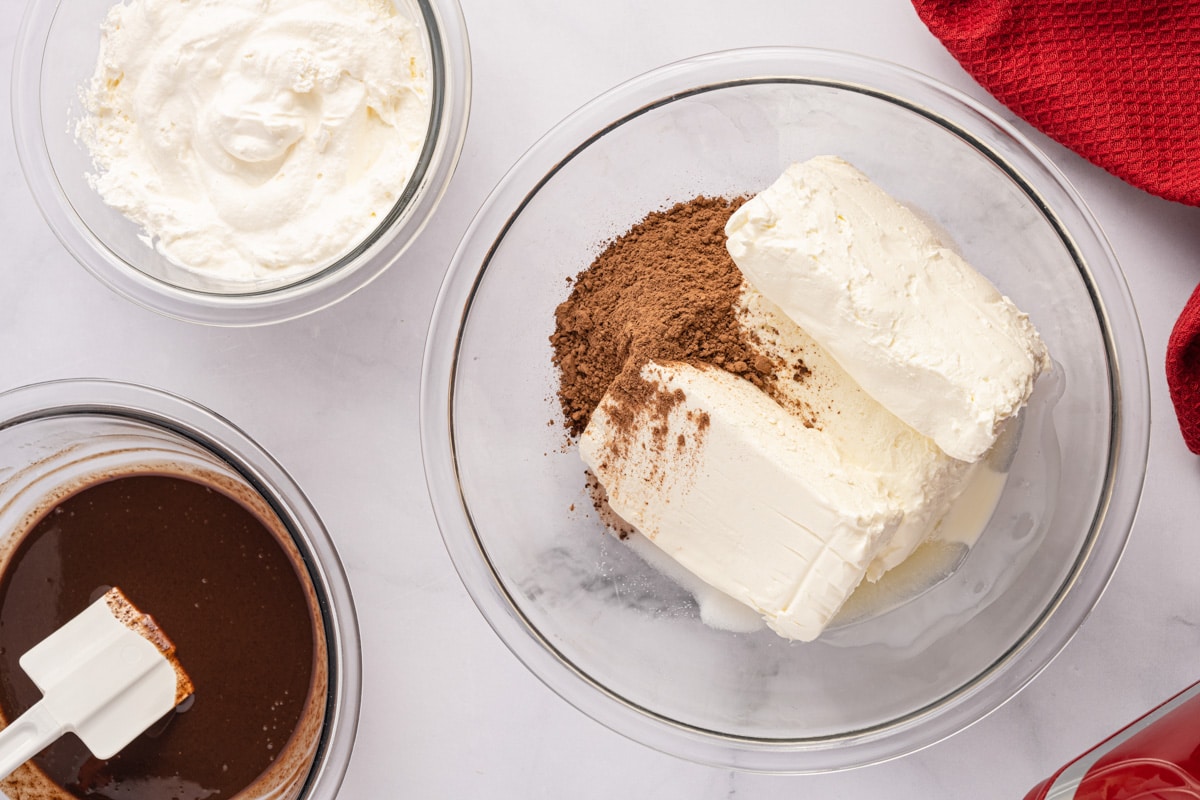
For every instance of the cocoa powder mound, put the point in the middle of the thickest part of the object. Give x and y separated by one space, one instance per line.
664 291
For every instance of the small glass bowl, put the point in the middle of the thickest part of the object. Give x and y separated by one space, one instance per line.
56 51
57 436
625 644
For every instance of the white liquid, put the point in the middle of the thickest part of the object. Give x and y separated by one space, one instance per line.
717 609
935 559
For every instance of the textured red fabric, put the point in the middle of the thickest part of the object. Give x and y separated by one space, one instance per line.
1117 81
1183 371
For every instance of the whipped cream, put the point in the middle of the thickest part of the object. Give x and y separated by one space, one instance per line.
256 141
915 325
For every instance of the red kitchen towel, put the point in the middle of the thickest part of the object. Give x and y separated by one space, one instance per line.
1117 81
1183 371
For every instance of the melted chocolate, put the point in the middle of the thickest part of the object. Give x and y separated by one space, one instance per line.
217 581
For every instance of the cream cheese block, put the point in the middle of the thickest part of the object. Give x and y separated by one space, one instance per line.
742 493
916 476
916 326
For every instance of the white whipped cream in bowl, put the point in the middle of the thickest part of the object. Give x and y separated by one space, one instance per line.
238 162
864 560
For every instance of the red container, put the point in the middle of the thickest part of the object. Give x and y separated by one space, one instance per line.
1155 758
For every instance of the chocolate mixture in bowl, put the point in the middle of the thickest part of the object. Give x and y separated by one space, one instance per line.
220 581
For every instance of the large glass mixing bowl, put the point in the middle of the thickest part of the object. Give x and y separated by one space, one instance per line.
624 643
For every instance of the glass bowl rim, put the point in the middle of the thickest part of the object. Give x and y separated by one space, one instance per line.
74 397
445 27
1067 213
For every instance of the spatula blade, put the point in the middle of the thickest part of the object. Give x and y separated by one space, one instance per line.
108 674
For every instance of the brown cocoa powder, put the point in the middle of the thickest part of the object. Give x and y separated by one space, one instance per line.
664 291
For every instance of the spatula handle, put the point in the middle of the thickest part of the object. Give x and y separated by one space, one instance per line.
26 736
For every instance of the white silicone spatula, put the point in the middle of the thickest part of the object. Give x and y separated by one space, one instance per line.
107 675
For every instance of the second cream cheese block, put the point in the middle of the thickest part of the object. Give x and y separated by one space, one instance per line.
915 325
917 477
741 492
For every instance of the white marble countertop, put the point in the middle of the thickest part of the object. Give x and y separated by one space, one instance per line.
447 711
